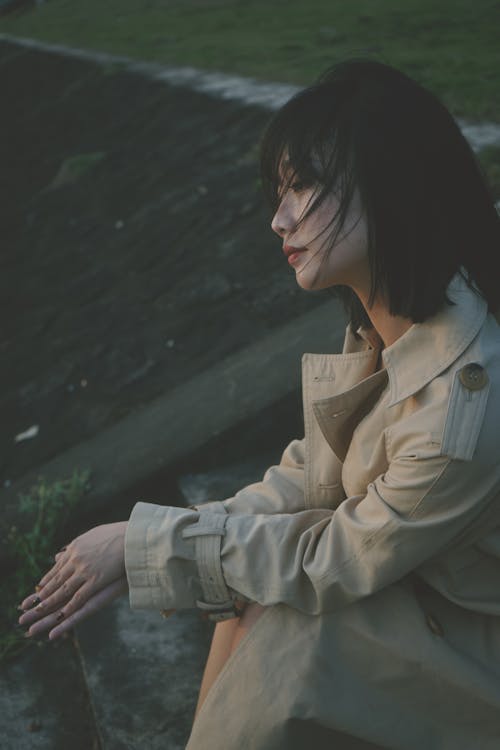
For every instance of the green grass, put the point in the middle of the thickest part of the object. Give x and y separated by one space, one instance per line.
75 167
449 45
47 507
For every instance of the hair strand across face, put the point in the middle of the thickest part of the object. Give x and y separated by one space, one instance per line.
366 126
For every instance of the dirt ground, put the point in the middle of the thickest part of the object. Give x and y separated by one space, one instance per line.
145 259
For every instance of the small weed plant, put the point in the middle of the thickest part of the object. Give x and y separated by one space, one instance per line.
47 508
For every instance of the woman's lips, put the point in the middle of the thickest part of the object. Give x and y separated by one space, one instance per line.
293 253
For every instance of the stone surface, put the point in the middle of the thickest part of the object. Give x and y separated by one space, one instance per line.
164 237
219 484
44 702
170 428
154 266
143 674
144 671
126 679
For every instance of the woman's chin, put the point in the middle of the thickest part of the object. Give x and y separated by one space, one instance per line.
306 284
310 284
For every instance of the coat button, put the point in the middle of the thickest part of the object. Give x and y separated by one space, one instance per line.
434 625
473 376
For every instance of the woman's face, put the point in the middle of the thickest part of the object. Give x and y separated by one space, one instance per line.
307 244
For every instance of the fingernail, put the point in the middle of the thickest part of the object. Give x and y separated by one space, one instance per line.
35 600
21 609
60 617
63 549
27 634
38 587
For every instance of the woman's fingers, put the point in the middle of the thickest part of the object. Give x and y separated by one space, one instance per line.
82 604
30 601
53 615
59 558
57 581
48 603
43 624
85 566
35 598
94 603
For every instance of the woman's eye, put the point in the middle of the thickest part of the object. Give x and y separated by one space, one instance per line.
297 186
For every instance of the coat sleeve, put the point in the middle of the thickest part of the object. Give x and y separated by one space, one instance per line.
312 560
280 491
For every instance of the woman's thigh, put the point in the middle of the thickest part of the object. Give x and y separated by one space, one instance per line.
375 671
249 617
227 635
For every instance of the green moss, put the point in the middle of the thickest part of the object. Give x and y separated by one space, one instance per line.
75 167
48 507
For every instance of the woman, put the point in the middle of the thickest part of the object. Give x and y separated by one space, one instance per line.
356 588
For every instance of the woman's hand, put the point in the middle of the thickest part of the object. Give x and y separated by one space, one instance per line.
89 572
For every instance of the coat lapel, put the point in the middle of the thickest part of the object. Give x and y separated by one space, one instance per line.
339 415
344 385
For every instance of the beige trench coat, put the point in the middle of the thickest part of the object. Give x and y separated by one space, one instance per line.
375 545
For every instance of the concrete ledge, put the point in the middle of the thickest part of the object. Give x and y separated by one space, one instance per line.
143 675
44 702
173 426
269 95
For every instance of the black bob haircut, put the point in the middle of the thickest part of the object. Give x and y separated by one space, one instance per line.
429 210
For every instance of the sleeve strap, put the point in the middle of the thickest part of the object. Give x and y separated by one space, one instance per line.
217 604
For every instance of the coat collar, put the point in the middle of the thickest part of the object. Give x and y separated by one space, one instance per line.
423 352
427 349
345 386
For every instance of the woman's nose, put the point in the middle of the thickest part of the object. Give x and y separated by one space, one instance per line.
275 225
282 222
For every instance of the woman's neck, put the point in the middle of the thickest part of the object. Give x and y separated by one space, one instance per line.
389 327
